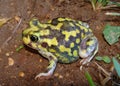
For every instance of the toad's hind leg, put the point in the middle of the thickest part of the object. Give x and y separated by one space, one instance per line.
88 48
52 65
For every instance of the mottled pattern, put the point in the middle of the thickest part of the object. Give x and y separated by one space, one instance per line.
60 36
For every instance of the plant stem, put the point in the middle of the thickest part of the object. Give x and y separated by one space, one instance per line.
112 14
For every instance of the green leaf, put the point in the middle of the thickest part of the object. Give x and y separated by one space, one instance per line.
106 59
117 66
103 2
100 1
114 3
19 48
93 2
98 58
111 34
89 78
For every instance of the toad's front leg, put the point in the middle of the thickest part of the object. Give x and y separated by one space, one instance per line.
52 65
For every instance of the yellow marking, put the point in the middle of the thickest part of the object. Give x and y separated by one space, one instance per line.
68 34
71 44
61 57
52 50
26 31
68 19
44 32
83 51
65 59
84 28
62 48
50 41
75 53
43 26
77 40
58 27
49 21
77 31
90 30
71 24
90 42
31 29
26 40
82 35
40 47
52 64
61 19
34 45
39 24
79 26
80 22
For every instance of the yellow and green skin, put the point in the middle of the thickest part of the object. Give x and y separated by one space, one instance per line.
61 40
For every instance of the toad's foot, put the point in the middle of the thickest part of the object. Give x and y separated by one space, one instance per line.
48 74
84 61
51 69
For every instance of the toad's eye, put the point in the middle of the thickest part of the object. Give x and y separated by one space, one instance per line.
33 38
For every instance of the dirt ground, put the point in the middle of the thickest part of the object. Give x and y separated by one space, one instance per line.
27 63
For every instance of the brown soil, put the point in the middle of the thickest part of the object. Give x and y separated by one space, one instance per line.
27 63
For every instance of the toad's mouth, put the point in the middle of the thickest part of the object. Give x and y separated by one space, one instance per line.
33 46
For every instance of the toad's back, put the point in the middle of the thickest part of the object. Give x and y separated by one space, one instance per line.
62 37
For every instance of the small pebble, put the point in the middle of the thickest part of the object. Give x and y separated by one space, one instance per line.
40 60
60 76
7 54
17 18
10 61
56 74
21 74
52 8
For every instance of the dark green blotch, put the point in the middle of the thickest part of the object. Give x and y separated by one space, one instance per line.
55 21
35 22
